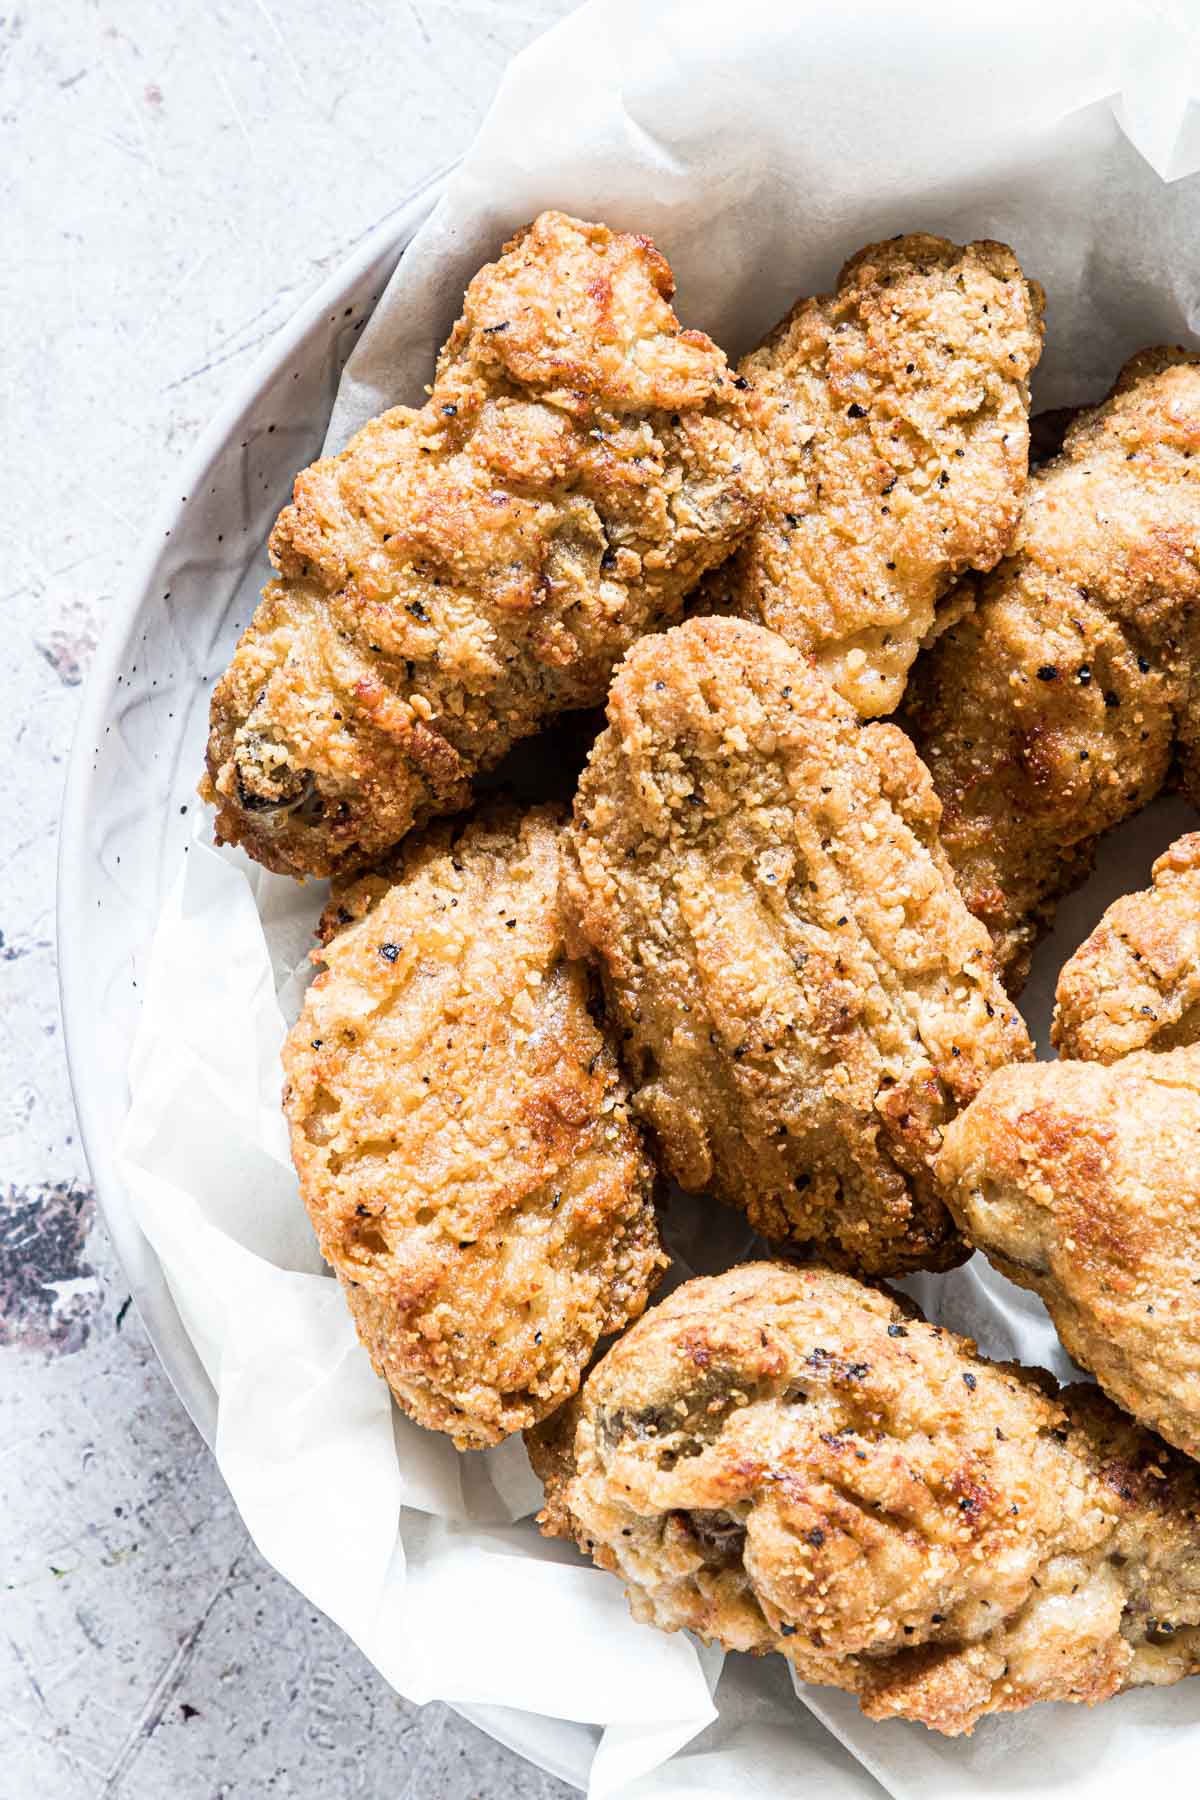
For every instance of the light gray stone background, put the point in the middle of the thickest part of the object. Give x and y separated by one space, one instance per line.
175 177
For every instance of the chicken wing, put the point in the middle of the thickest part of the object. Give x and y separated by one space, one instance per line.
1081 1182
1047 714
804 1000
461 1132
462 572
1135 983
782 1459
893 418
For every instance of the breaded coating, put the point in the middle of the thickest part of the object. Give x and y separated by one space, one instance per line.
462 1136
804 1000
1135 983
1048 714
783 1459
1082 1183
463 572
893 417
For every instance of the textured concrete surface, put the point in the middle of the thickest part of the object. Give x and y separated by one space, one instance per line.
175 177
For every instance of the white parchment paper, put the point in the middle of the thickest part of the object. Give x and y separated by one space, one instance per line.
760 144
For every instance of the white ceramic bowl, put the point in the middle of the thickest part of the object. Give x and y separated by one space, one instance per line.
130 795
138 752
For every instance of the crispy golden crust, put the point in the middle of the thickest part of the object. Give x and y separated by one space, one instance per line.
462 1136
782 1459
804 999
1135 983
1047 715
893 417
1082 1183
459 574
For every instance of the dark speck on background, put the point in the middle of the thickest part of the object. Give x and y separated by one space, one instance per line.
68 651
48 1292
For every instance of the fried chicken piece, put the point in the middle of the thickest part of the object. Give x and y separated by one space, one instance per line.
783 1459
804 1000
461 1132
1135 983
463 572
1081 1183
1047 715
893 417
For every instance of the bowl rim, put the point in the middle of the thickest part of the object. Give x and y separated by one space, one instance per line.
525 1734
147 1284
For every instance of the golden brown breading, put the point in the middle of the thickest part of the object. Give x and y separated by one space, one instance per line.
1082 1183
782 1459
893 417
462 1136
459 574
804 999
1048 714
1135 983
